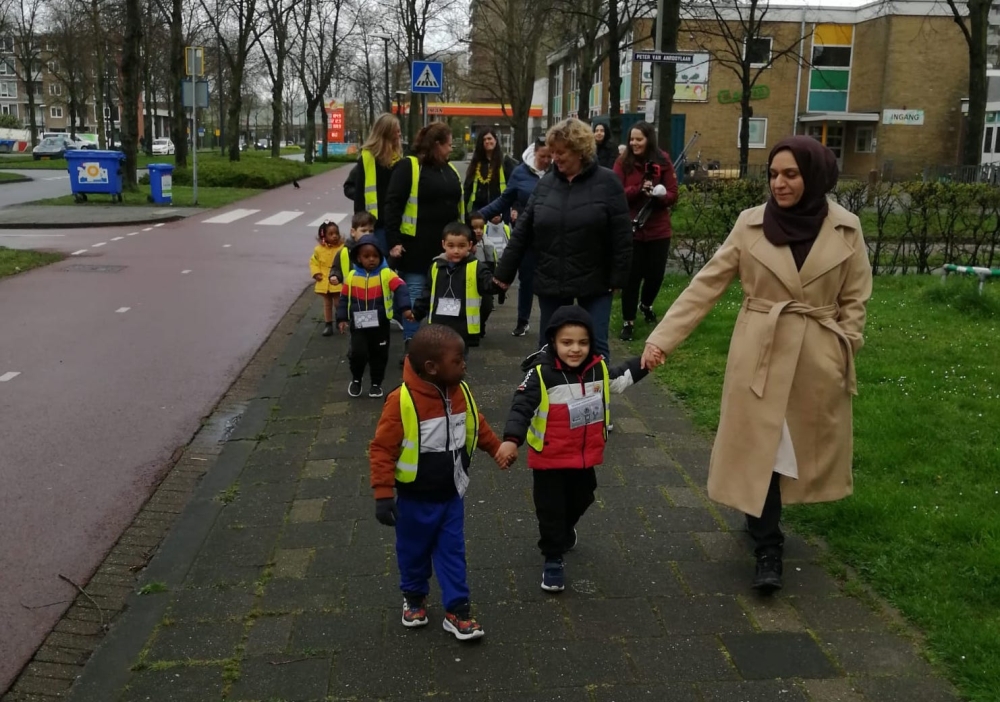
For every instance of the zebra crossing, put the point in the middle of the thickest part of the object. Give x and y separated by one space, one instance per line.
281 218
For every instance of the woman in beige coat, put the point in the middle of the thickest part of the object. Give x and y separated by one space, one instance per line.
785 432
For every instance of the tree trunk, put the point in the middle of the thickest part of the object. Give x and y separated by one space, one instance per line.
614 71
131 44
415 121
311 104
95 27
277 109
32 117
746 112
978 26
326 133
178 132
668 74
233 123
584 80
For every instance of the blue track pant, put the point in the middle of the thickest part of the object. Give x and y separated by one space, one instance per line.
432 533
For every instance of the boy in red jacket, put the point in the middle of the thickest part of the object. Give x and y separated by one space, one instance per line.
562 410
429 428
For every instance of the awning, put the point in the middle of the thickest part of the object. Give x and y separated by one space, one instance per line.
839 117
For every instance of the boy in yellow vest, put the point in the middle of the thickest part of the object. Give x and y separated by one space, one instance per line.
423 445
457 284
362 224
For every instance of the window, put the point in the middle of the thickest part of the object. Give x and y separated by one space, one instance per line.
37 88
8 89
596 92
50 46
988 141
863 138
53 66
625 71
56 112
557 92
759 50
574 91
832 56
758 132
8 109
55 89
6 45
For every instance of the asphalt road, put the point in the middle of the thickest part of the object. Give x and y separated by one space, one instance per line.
104 373
44 184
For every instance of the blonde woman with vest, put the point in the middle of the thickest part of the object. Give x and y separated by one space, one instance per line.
369 179
488 173
562 411
424 196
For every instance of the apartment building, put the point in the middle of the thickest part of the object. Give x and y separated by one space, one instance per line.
882 85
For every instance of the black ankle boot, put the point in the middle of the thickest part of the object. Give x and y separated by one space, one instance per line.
328 329
767 579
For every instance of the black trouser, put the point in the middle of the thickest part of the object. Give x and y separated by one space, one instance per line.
561 497
370 347
766 529
649 263
485 310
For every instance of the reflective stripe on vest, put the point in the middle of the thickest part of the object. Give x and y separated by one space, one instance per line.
409 224
344 258
536 430
475 186
473 301
384 276
409 456
371 189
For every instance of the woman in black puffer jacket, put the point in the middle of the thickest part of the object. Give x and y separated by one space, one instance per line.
577 223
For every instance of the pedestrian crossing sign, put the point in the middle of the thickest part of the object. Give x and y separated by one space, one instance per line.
427 77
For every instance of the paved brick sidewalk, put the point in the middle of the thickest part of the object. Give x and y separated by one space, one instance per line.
280 584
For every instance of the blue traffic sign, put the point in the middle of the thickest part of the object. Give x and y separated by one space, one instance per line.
427 77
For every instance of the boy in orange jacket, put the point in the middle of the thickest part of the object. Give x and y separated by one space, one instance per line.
429 428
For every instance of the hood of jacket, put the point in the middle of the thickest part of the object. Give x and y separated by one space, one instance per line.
568 314
528 159
442 259
353 252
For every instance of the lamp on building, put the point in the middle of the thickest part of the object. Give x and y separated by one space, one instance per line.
386 38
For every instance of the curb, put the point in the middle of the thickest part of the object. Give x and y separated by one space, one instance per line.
99 635
91 225
14 181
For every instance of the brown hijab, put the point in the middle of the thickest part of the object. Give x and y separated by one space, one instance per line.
798 226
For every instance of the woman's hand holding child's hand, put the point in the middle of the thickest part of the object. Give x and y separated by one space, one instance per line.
342 326
334 280
652 357
506 454
408 316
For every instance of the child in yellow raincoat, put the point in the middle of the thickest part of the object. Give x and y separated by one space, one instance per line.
330 243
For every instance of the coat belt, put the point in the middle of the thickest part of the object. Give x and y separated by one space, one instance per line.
826 316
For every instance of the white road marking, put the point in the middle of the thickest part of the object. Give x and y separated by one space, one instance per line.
328 217
226 246
228 217
148 229
131 233
64 177
117 238
185 271
160 224
77 253
283 217
103 243
122 310
10 375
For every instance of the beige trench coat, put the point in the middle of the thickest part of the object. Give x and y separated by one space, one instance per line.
791 358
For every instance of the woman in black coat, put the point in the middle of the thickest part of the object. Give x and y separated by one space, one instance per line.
439 202
379 154
578 225
488 173
607 149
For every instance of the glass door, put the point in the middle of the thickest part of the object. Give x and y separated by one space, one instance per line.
834 139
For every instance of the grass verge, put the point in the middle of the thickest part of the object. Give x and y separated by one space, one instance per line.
12 178
183 196
923 525
13 261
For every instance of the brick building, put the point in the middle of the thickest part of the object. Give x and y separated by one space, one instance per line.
882 84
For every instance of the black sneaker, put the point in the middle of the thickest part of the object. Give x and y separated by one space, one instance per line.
328 329
375 391
648 313
354 389
521 329
768 576
553 576
627 330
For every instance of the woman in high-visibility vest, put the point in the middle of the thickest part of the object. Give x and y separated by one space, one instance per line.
369 179
424 195
488 173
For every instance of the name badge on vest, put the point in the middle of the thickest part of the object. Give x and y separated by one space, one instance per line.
586 410
366 319
448 307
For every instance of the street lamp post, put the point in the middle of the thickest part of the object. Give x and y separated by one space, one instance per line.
386 38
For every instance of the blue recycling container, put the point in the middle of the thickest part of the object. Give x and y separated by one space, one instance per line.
95 172
161 183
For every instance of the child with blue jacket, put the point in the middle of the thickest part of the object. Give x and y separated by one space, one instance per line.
367 299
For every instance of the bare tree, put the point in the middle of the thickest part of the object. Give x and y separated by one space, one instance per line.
278 14
234 24
668 27
73 60
975 37
25 21
733 34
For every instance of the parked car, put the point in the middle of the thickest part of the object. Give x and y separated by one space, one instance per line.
163 146
53 147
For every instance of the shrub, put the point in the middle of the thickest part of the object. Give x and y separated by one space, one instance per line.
249 173
10 122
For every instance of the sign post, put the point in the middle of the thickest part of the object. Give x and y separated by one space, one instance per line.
194 66
426 78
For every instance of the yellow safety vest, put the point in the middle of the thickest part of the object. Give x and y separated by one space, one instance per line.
371 190
384 276
409 225
506 231
536 430
475 186
343 258
409 457
473 301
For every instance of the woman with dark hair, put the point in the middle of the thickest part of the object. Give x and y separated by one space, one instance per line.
785 429
607 149
424 195
651 188
488 173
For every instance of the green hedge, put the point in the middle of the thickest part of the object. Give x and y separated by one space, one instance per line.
250 173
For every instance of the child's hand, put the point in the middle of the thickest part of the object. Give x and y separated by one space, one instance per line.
652 357
385 511
342 326
408 316
334 280
318 277
506 454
